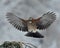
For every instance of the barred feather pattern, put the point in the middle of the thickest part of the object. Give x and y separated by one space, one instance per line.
16 22
46 20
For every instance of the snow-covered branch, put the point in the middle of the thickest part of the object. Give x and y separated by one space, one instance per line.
14 44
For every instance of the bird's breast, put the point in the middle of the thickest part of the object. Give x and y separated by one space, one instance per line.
32 28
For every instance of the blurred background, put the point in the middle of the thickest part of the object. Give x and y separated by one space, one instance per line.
25 9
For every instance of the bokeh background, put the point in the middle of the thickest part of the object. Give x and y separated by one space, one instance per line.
25 9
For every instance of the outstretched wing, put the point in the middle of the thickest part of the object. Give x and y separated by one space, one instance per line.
46 20
17 22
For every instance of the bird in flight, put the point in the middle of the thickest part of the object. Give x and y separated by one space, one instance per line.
31 25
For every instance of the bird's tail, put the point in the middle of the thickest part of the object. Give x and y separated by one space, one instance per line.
35 35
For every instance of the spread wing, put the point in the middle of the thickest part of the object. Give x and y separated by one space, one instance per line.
46 20
17 22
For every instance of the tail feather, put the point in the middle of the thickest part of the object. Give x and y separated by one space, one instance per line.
35 35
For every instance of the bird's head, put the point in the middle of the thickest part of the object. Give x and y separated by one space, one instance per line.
30 19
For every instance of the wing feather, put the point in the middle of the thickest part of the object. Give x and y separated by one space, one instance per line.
17 22
46 20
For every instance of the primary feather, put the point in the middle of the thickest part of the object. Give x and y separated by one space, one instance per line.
17 22
46 20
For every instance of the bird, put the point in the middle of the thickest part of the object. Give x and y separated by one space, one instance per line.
32 25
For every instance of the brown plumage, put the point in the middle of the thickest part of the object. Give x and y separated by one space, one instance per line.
31 25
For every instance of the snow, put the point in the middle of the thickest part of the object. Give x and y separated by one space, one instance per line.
25 9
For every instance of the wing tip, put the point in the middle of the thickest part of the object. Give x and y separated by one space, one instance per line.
52 14
9 14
